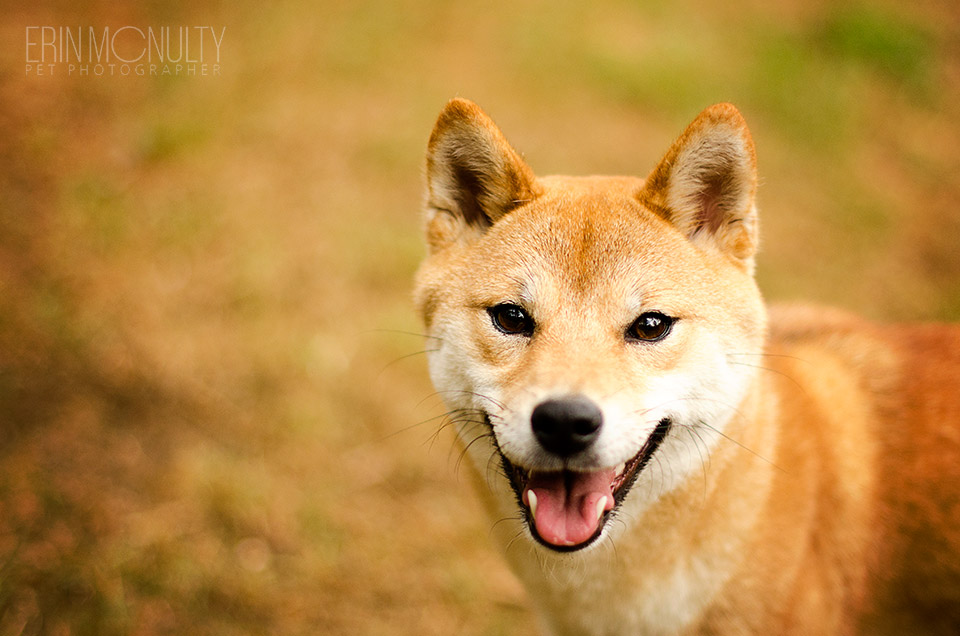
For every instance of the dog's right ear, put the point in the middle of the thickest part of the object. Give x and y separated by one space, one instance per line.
474 176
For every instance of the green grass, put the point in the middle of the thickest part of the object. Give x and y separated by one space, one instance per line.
892 42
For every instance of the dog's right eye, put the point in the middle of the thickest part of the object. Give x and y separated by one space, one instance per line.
511 319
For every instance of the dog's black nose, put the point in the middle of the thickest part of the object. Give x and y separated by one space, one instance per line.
566 426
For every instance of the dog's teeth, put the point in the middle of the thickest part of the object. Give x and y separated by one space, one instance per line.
601 504
532 498
620 469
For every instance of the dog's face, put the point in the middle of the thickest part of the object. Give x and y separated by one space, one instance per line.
591 336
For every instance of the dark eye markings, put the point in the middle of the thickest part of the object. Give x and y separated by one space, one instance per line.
511 319
651 326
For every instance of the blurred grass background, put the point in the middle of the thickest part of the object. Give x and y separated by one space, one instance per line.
208 424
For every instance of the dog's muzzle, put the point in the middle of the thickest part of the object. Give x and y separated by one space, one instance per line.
567 510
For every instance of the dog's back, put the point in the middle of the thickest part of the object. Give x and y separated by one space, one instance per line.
919 477
880 456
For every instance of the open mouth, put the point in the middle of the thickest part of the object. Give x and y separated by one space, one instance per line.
567 510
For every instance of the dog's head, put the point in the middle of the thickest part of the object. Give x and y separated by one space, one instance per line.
591 336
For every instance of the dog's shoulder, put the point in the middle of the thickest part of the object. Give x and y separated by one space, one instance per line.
810 335
888 357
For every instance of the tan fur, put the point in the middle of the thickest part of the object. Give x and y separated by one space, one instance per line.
811 481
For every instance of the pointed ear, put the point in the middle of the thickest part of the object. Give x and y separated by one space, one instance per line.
474 177
706 183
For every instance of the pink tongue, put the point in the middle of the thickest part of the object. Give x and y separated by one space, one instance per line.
566 508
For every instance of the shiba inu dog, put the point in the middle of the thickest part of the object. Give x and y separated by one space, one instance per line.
659 453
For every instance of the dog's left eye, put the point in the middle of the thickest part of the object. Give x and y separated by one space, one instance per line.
650 327
511 319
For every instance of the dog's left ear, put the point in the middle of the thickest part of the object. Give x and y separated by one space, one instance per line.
706 184
474 176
